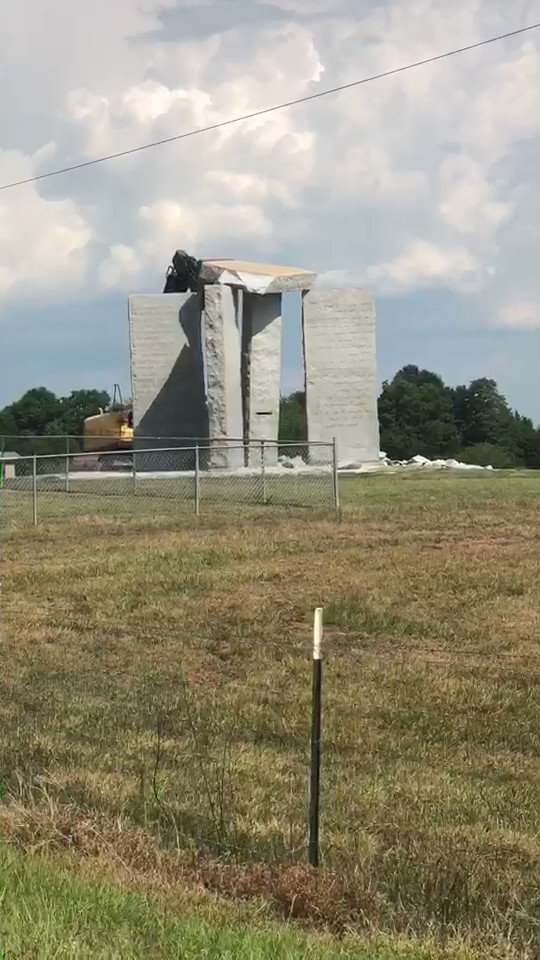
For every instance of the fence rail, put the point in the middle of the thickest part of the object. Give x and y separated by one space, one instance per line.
50 444
162 480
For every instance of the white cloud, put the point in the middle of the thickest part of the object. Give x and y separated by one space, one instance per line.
406 183
424 264
44 244
213 222
370 178
94 122
121 267
469 201
309 6
163 227
504 108
520 315
334 278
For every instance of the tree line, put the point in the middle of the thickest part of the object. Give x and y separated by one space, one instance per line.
40 413
418 414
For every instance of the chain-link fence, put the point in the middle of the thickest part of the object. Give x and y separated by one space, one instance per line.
162 482
28 444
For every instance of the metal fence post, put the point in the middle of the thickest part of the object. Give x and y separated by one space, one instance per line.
335 476
316 709
133 473
67 464
263 473
197 483
34 490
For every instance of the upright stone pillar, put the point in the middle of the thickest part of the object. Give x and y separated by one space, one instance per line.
222 341
261 363
167 373
340 371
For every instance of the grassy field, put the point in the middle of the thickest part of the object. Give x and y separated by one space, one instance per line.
47 912
173 497
155 723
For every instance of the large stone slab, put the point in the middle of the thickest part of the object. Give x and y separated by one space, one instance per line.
167 371
340 371
222 348
261 350
256 277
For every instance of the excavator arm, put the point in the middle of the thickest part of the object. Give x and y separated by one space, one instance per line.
183 273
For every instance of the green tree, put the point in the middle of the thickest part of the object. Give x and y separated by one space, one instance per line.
483 417
39 412
292 417
35 409
8 425
79 405
416 415
488 455
524 441
482 414
533 450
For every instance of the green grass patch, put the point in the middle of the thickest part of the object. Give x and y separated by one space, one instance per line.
155 699
49 914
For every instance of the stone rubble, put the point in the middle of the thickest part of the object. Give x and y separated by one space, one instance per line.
420 461
297 463
292 463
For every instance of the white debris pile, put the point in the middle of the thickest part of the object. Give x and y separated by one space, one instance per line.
420 461
297 464
292 463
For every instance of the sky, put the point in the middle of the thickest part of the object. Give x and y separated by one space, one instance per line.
423 186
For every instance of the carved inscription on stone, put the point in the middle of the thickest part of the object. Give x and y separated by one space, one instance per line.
340 372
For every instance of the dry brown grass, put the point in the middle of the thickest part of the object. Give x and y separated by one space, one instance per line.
158 679
130 855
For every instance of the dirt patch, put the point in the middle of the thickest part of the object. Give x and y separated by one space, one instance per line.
292 891
471 544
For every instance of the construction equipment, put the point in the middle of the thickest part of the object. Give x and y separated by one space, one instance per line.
183 273
110 429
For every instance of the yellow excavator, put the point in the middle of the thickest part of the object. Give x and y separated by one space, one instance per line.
110 429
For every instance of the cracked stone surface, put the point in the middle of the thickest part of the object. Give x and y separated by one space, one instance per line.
222 346
256 277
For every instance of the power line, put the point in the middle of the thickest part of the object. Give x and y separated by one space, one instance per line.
266 110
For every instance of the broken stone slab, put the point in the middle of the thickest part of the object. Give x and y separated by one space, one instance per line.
256 277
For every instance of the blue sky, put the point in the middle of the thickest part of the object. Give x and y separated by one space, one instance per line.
422 187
